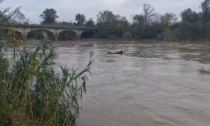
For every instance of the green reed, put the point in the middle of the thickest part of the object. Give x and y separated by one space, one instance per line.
32 93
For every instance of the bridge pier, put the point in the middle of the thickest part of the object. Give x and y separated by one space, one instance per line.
24 37
56 37
79 35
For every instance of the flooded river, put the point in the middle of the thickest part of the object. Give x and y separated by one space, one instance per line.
167 84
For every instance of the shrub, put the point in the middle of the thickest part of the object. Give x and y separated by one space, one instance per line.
127 36
160 36
112 36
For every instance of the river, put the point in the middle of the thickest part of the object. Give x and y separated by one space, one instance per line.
168 84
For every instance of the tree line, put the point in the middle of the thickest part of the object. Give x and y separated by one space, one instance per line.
193 26
49 16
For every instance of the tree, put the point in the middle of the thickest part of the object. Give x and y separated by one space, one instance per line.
197 31
207 31
138 19
90 22
105 17
137 27
49 16
149 13
20 20
122 25
169 35
189 16
151 31
157 18
3 14
206 10
105 24
80 18
184 30
111 25
11 17
168 19
65 23
26 22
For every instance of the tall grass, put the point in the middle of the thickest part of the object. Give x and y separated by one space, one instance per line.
32 93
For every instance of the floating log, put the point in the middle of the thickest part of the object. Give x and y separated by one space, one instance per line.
117 52
121 52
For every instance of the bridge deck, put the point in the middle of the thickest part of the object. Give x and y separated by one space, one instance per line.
56 26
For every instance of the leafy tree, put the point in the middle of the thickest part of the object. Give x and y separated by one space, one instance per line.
189 16
151 31
197 31
90 22
105 23
110 24
146 26
185 31
122 25
105 17
206 31
137 27
138 19
168 19
141 30
49 16
206 10
80 18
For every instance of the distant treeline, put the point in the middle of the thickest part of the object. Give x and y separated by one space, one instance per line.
193 26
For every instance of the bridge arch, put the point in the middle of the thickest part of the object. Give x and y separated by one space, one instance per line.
16 30
18 33
38 34
53 30
43 29
87 34
68 35
64 30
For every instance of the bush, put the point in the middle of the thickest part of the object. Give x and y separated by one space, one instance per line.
169 35
112 37
127 36
160 36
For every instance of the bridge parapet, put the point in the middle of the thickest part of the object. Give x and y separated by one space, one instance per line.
58 26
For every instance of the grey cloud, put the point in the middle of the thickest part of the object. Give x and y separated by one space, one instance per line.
130 7
67 9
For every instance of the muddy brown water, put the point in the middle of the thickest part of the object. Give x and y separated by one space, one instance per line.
168 84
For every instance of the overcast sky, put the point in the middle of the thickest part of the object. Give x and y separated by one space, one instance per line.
67 9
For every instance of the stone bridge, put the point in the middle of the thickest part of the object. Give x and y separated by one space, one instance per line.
54 32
